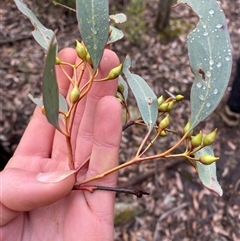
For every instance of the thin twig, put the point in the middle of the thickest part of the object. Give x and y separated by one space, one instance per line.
91 188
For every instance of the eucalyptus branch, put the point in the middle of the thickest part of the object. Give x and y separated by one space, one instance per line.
203 99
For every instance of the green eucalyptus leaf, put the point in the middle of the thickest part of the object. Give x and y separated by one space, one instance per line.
93 23
118 18
50 87
145 97
41 34
210 58
116 34
207 173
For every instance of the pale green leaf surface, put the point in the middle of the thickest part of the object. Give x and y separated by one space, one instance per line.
41 34
210 58
63 106
93 23
145 97
207 173
118 18
116 34
50 87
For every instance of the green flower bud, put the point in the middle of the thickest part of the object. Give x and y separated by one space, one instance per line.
81 50
119 97
186 129
120 88
170 105
163 133
58 61
164 122
208 159
197 140
179 97
74 95
210 138
163 107
160 100
115 72
88 58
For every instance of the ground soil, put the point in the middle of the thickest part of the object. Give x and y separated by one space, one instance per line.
179 207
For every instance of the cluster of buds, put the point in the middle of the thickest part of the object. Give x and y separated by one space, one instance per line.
199 141
83 54
165 106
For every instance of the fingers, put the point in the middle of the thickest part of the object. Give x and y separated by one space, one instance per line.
105 152
84 131
107 137
39 128
6 215
81 135
20 191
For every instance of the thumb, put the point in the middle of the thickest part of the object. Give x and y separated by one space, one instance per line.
21 191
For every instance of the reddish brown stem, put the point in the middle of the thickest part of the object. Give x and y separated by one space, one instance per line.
135 160
91 188
70 153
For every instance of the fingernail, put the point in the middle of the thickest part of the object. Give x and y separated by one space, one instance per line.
52 177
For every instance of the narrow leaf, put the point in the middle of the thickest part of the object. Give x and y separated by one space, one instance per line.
41 34
50 87
207 173
145 97
93 23
210 58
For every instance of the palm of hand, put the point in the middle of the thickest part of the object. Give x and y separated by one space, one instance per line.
39 211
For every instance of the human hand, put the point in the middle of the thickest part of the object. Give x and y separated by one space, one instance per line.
33 210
